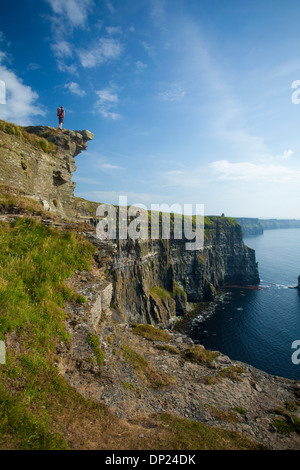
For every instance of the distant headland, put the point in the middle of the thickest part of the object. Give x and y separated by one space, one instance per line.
255 226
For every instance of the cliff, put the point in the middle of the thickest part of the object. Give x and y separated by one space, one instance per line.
250 226
156 280
40 161
271 224
153 280
254 226
79 374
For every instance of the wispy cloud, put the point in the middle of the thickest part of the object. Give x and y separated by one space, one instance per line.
33 66
73 11
74 88
173 92
211 88
111 30
188 178
158 13
104 50
148 48
109 166
110 6
247 171
67 16
62 49
140 66
107 101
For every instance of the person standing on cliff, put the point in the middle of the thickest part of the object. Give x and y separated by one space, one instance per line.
61 116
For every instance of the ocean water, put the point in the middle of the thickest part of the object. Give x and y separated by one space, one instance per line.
258 327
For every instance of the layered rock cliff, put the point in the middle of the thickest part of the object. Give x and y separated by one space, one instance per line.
155 280
40 161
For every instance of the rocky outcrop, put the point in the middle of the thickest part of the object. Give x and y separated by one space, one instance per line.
40 161
155 280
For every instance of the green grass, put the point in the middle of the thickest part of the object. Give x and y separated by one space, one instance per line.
150 376
37 142
199 355
34 262
12 199
93 341
232 373
159 293
240 410
151 333
191 435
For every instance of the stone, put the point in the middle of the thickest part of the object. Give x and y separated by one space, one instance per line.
257 387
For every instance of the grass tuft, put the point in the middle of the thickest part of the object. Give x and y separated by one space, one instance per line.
151 333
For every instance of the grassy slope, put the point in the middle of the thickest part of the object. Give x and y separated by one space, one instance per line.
38 409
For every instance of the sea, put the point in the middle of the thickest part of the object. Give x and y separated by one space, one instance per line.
260 327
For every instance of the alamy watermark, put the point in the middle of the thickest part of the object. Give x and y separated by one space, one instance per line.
2 353
296 354
2 92
163 221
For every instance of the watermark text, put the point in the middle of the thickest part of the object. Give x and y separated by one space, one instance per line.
2 353
296 354
163 221
2 92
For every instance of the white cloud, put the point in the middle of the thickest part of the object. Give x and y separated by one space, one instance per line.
74 11
33 66
140 66
108 99
247 171
21 101
107 95
2 56
74 88
158 13
108 114
188 178
113 30
106 49
110 6
174 92
62 49
68 15
288 153
148 48
71 69
108 166
4 39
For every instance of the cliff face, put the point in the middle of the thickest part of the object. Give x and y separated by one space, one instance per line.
153 280
40 161
224 260
253 226
250 226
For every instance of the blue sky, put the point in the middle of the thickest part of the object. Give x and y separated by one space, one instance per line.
190 101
